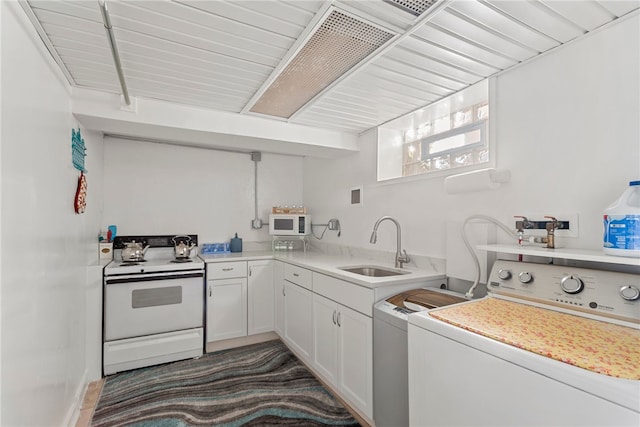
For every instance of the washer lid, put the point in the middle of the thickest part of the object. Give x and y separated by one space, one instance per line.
425 298
601 347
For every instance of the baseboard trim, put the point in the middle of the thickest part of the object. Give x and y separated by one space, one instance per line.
239 342
73 413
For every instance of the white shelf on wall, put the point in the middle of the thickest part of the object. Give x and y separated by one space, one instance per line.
563 253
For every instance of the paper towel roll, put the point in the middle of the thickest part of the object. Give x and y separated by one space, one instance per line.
480 180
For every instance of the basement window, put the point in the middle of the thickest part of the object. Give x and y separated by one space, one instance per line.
449 134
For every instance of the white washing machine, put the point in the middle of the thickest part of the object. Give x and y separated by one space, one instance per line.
390 386
550 346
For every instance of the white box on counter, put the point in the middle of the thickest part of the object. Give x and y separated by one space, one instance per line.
105 251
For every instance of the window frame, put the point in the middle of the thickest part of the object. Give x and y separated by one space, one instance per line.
481 125
391 133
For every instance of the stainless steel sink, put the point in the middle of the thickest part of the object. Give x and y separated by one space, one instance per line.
373 271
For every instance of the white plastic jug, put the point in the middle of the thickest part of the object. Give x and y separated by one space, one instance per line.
622 224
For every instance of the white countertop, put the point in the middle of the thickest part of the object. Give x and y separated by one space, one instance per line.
329 265
237 256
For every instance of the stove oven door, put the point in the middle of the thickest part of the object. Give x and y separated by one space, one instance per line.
140 305
151 319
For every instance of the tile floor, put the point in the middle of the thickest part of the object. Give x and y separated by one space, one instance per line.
89 403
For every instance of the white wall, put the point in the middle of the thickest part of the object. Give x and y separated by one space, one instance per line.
46 247
566 127
153 188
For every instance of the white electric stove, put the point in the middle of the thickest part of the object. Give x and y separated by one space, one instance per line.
153 309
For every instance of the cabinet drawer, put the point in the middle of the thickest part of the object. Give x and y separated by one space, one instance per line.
298 275
348 294
226 270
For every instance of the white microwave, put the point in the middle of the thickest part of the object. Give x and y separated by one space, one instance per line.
289 225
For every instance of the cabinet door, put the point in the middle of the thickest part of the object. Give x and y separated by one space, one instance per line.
226 309
260 297
355 358
278 295
298 320
325 338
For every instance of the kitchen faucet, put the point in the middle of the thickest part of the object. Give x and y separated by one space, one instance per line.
400 258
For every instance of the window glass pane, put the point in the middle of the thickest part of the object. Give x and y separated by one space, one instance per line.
455 141
425 130
482 112
412 152
442 124
441 162
461 118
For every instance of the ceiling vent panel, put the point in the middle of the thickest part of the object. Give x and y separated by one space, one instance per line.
337 45
414 7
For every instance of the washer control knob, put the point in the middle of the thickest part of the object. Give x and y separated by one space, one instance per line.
630 293
504 274
525 277
572 284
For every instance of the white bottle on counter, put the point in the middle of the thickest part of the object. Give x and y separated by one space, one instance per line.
622 224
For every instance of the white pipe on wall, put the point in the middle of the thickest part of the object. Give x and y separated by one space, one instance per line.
114 49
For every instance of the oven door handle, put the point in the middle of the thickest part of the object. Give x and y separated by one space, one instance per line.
151 278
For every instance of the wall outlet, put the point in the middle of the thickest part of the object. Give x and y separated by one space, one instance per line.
571 219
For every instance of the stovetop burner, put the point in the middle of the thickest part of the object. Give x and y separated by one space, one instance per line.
181 260
132 262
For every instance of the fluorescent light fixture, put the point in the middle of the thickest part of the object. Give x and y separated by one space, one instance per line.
414 7
339 43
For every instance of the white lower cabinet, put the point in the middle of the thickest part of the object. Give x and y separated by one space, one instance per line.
278 297
240 299
226 308
355 358
260 298
343 351
298 320
325 338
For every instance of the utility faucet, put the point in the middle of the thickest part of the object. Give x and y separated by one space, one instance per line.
401 255
521 224
551 228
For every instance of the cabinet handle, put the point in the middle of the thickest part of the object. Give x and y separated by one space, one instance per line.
283 294
334 317
209 291
249 271
339 324
227 269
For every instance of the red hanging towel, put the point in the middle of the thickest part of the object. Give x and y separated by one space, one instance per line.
80 201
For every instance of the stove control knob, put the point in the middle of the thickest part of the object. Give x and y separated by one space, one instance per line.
630 293
572 284
525 277
504 274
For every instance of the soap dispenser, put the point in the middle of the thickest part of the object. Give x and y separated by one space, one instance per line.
236 244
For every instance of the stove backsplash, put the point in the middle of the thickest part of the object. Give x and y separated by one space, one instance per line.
156 241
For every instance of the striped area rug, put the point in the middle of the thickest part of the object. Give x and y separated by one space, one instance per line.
256 385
